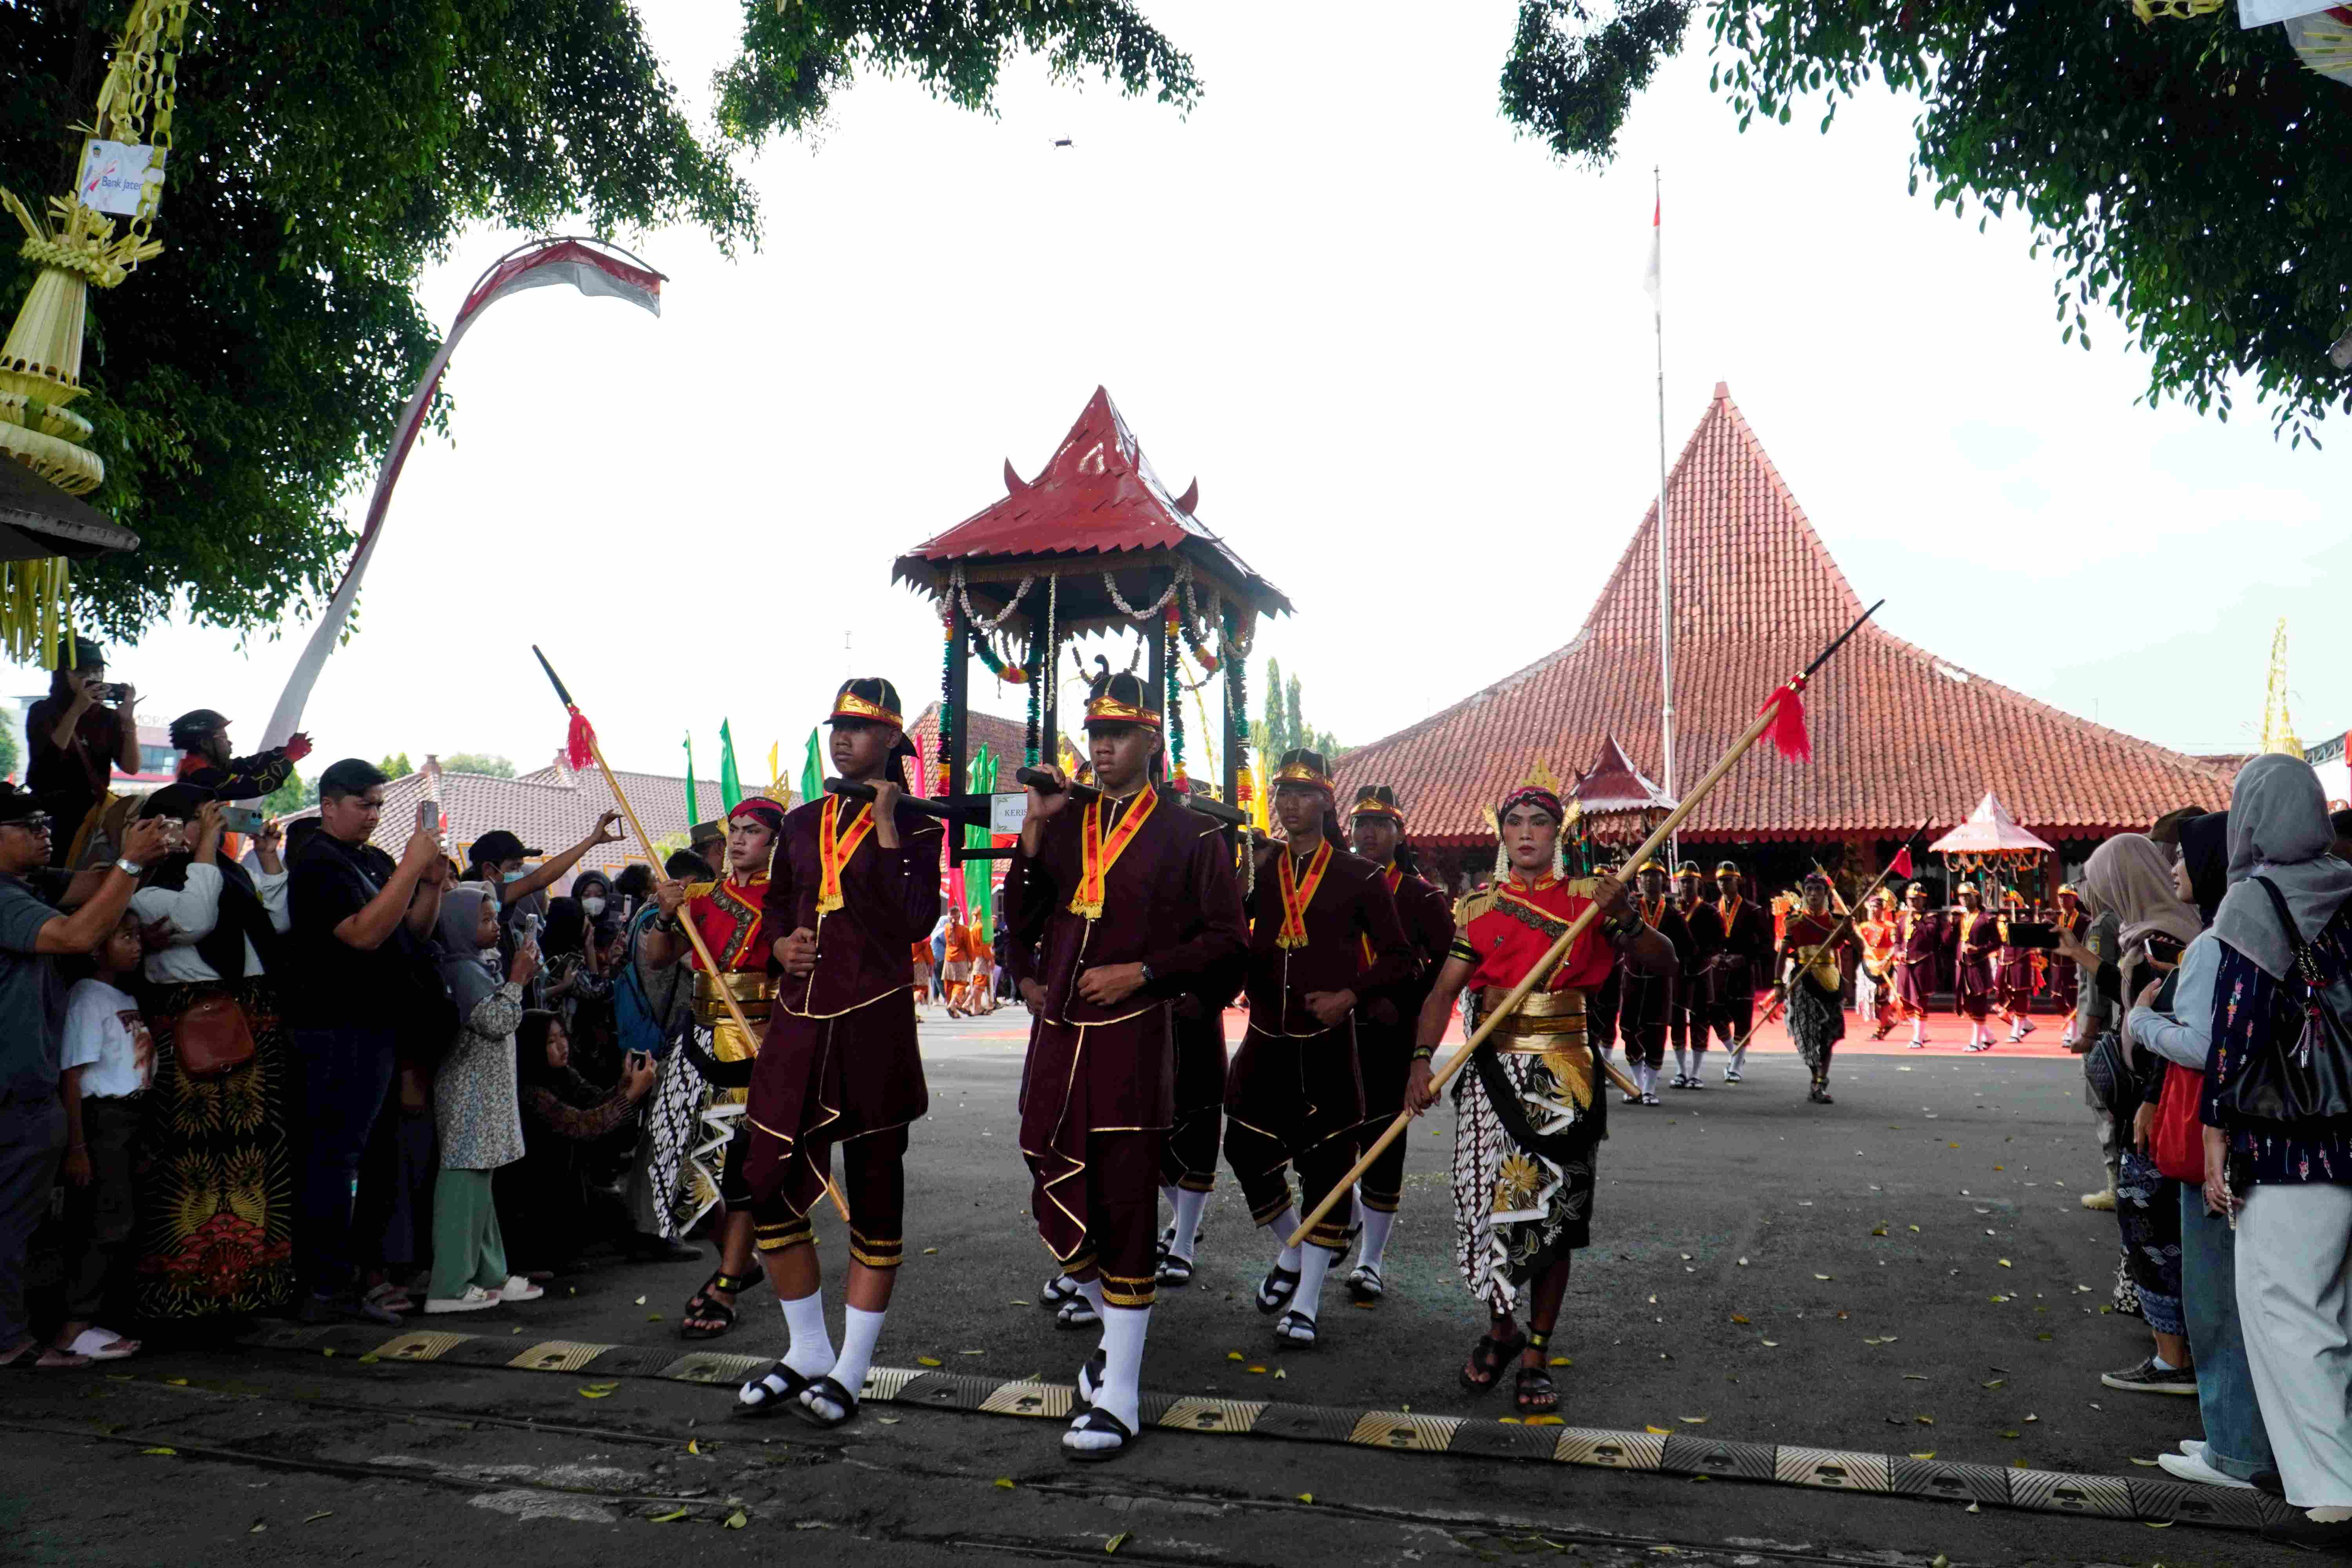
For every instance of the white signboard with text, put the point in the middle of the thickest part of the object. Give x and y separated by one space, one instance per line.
116 174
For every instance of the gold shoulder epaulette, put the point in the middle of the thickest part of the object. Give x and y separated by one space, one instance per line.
1473 904
701 889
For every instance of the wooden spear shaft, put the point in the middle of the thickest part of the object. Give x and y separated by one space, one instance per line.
1542 970
1781 987
702 950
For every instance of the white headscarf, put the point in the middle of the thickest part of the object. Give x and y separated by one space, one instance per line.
2279 831
2130 877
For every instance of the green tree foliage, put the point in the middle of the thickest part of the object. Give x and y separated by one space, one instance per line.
244 382
9 756
478 762
290 796
2189 175
396 767
1270 736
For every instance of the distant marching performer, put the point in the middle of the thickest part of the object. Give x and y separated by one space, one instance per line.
1974 936
2072 920
1387 1022
854 883
1746 951
2013 972
1531 1111
1812 944
1116 907
1919 940
1647 1000
1702 939
1296 1093
1873 976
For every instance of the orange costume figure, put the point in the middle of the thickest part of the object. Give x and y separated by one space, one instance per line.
1874 984
922 971
979 994
957 980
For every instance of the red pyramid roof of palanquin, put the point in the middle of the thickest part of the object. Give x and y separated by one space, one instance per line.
1988 827
1614 783
1899 736
1098 495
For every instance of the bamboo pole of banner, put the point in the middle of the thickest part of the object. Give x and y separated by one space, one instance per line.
1543 967
1781 987
702 950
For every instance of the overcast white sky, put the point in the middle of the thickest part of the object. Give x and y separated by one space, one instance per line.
1396 345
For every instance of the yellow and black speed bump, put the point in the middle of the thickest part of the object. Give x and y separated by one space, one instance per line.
2155 1501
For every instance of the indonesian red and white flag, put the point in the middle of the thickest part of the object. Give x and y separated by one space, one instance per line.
1650 278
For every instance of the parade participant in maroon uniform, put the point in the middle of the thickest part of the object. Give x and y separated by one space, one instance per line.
1297 1095
1694 995
1188 1164
2013 974
1116 907
1808 961
1532 1112
1739 963
1919 941
700 1138
2072 920
1646 1001
1387 1020
1975 935
854 883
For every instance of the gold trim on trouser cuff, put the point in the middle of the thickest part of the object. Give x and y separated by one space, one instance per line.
784 1234
1196 1183
874 1254
1379 1203
1119 1290
1268 1212
1329 1236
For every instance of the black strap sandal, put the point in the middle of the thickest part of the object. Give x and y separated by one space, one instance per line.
703 1304
1077 1312
1097 1419
768 1394
1061 1288
1090 1378
1174 1270
1534 1394
833 1394
1275 1291
1365 1284
1286 1329
1490 1356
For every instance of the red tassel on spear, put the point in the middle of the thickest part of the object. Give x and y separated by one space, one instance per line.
1786 704
580 749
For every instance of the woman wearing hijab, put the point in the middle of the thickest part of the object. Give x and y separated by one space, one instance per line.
542 1198
2130 877
474 1105
576 988
2290 1184
217 1209
2235 1449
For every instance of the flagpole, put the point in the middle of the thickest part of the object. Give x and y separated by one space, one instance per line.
1665 583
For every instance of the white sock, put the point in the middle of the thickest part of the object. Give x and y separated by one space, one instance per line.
1092 1290
859 1330
1314 1263
2156 1360
1918 1030
1283 1223
1377 1225
1168 1195
1120 1392
1189 1205
1681 1062
810 1354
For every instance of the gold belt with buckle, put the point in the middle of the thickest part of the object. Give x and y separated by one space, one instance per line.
1546 1022
754 992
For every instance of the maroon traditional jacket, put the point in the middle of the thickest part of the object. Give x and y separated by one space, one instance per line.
890 900
1350 906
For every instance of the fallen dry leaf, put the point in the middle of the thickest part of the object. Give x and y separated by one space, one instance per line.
1737 1319
159 1451
1306 1497
928 1361
1996 1382
1692 1420
1772 1344
641 1301
322 1513
1563 1360
1929 1455
1114 1543
692 1447
1662 1431
737 1520
1004 1481
2004 1263
670 1518
2150 1464
1821 1277
1236 1355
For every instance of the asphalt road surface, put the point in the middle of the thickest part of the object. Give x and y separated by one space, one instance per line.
1906 1272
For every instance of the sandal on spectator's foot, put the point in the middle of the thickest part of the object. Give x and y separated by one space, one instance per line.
705 1306
35 1356
391 1297
1364 1282
1534 1394
768 1394
1077 1312
1099 1420
1273 1292
833 1394
1296 1329
101 1344
474 1300
1489 1356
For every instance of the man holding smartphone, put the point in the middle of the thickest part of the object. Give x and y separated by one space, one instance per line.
78 741
201 736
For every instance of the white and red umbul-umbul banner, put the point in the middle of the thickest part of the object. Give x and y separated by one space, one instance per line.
1650 276
591 266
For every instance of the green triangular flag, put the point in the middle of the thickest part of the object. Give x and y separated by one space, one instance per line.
731 786
812 772
693 801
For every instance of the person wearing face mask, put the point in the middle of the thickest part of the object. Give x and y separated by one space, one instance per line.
594 891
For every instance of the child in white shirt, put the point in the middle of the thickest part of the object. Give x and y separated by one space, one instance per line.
108 1061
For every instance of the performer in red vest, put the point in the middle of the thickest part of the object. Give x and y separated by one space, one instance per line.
1811 945
1975 935
1386 1021
1296 1093
1116 907
853 883
1873 979
1919 941
1531 1106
